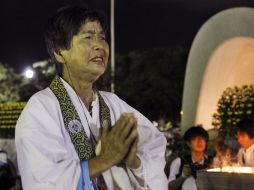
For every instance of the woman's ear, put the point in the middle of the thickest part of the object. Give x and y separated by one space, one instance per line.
59 57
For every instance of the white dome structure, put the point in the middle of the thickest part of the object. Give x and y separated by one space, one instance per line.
221 56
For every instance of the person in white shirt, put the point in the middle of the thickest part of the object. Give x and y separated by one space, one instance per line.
71 136
245 137
183 169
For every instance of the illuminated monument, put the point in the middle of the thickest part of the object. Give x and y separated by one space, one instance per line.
221 56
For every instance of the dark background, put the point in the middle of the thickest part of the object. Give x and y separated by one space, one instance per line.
140 24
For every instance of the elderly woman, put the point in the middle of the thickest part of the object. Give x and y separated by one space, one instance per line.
72 136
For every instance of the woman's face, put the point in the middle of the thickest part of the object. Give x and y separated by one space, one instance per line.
198 144
87 58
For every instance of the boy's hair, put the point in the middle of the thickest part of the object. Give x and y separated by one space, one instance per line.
195 131
246 125
65 24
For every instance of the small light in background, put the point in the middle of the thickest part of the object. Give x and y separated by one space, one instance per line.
181 112
29 73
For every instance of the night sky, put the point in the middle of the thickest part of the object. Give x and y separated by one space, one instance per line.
140 24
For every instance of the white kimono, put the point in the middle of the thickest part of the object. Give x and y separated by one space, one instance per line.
47 159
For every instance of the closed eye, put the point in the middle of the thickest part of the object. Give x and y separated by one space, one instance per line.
88 37
102 37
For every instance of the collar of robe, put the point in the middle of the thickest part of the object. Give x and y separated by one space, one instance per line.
83 145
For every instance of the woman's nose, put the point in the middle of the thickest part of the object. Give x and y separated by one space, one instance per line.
97 45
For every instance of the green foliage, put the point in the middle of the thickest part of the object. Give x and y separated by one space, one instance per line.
15 87
235 103
44 73
9 84
152 81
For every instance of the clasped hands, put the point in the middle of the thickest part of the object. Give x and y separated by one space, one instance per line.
119 143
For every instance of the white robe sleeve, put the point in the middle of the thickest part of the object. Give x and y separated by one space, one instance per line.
151 146
43 159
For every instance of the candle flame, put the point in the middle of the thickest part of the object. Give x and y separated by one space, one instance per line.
233 169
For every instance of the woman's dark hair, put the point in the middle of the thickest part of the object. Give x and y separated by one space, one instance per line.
195 131
64 25
246 126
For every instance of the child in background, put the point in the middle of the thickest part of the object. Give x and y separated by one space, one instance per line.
245 137
183 169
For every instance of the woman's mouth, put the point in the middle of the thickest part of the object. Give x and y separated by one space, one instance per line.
98 60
